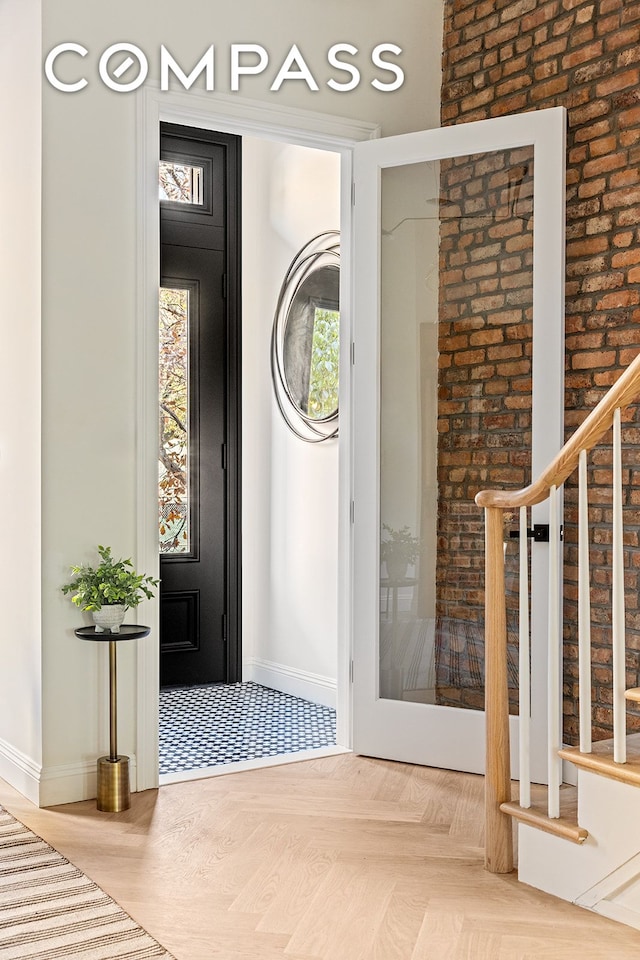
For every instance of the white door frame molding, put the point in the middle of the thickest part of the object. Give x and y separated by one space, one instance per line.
239 116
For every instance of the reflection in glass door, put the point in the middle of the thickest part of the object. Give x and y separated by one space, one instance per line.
455 409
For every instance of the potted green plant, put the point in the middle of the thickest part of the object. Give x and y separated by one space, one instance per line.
108 589
398 550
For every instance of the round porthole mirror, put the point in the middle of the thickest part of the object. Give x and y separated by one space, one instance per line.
305 343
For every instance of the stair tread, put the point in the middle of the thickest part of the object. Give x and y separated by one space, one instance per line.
565 826
568 799
601 761
537 816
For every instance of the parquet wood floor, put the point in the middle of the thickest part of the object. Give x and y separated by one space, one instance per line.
340 858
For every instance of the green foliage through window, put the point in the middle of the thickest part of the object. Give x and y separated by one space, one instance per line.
325 354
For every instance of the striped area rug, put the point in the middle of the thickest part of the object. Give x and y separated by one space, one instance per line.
49 909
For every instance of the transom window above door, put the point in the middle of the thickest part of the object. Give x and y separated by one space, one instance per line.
181 183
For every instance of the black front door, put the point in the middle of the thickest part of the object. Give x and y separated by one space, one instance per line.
198 410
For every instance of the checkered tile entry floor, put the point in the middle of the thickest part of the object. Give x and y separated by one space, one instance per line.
204 726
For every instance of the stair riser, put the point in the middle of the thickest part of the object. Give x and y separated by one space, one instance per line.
608 810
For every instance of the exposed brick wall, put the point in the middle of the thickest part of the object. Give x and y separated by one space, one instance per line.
484 412
505 57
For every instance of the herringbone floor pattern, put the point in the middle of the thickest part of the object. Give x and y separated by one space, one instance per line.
341 858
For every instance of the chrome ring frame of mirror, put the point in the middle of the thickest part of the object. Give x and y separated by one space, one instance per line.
321 251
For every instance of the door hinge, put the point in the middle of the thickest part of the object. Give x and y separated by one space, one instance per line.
351 672
224 456
224 286
353 193
353 353
352 511
224 627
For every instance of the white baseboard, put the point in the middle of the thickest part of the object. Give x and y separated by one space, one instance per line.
618 912
49 786
299 683
67 783
70 782
20 771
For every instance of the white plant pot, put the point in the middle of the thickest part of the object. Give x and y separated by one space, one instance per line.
109 617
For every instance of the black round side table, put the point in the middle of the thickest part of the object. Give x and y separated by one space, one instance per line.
114 792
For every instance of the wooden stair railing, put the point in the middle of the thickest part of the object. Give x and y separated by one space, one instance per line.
498 829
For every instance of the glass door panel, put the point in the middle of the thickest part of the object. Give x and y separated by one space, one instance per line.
456 284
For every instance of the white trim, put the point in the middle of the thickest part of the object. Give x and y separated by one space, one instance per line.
20 771
147 557
615 911
229 114
601 897
618 645
70 782
608 887
241 765
299 683
524 665
48 786
554 661
240 116
584 608
344 707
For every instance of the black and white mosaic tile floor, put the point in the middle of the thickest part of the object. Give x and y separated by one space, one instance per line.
204 726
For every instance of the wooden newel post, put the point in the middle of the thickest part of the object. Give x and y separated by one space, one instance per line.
498 829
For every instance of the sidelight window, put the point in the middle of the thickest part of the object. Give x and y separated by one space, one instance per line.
173 464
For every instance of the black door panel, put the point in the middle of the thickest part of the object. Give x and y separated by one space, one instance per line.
199 252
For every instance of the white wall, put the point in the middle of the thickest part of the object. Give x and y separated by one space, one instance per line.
90 311
189 28
20 165
290 491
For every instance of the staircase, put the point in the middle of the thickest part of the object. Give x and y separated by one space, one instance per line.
581 845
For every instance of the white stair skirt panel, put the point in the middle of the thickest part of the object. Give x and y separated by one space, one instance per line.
618 895
603 873
299 683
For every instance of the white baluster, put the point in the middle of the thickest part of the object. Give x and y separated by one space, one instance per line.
554 706
524 678
584 608
617 613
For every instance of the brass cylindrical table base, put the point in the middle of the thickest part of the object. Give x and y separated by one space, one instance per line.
114 793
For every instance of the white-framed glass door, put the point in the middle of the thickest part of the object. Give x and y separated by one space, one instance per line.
457 386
